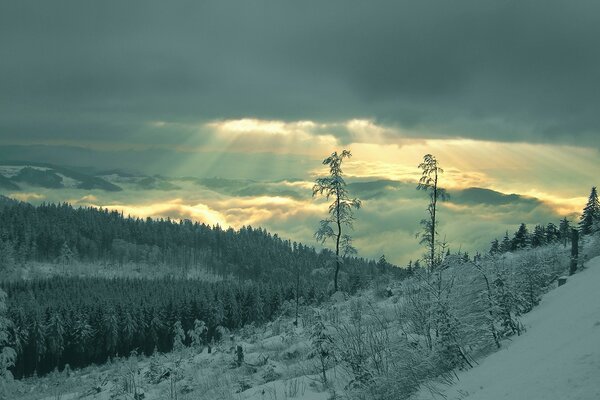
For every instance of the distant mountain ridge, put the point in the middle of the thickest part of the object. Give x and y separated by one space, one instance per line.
13 174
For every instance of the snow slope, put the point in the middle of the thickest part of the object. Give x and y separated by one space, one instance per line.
558 357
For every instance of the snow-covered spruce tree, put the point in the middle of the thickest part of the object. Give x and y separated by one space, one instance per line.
340 210
178 336
7 354
322 347
591 213
198 334
506 298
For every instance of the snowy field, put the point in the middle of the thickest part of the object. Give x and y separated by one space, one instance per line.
557 358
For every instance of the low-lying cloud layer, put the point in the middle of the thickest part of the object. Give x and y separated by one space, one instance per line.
386 224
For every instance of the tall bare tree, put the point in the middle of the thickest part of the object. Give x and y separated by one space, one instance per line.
341 213
429 183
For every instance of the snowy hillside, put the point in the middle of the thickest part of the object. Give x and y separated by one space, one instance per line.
13 175
558 357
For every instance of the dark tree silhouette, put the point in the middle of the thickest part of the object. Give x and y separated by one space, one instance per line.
591 214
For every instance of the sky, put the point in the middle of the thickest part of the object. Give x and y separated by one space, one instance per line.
257 93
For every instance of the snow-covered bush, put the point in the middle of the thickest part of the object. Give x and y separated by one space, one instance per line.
322 347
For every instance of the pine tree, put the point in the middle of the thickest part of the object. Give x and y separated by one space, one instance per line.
322 347
197 334
495 247
506 243
564 229
552 233
7 255
7 354
539 236
66 256
591 214
178 336
340 210
521 238
55 336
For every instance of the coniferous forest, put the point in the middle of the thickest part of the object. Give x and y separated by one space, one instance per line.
82 320
62 234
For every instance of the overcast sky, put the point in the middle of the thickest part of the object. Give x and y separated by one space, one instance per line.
506 93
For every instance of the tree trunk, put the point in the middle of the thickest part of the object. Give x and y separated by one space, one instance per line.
337 243
574 251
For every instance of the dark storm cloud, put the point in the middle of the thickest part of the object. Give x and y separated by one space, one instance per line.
502 70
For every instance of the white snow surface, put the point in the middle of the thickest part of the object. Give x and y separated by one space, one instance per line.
557 358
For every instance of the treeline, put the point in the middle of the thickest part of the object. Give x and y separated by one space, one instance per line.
541 236
62 234
589 223
80 321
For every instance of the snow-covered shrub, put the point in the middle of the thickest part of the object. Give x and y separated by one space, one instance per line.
198 334
590 247
322 347
178 336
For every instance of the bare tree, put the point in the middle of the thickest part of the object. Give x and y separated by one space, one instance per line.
429 183
340 210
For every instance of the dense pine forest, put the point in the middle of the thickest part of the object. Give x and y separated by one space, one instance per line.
79 321
61 234
82 320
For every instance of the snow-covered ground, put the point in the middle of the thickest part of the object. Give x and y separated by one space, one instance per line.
558 357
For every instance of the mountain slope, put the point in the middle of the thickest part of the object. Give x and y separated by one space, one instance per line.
13 173
558 357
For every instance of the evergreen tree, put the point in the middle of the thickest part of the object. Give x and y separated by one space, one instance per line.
506 243
591 214
552 233
495 247
178 336
521 238
197 334
322 346
7 354
539 236
66 256
55 338
340 210
7 255
564 229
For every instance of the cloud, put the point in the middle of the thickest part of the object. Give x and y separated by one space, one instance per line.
24 196
386 224
145 71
